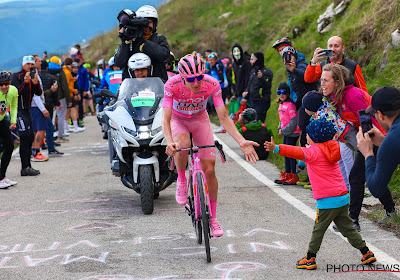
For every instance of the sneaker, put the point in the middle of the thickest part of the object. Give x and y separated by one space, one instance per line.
43 146
308 187
55 153
61 140
4 184
305 181
219 130
39 157
216 229
79 129
282 178
181 192
57 144
291 179
71 126
368 258
8 181
29 171
387 218
66 133
307 263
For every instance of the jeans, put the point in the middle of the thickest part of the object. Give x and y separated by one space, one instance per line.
357 188
50 134
290 163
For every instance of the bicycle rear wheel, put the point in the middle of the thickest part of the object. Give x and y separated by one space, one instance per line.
204 216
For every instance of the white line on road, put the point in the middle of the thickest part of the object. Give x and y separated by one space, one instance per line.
381 256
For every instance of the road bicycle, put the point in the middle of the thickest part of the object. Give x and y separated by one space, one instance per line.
198 204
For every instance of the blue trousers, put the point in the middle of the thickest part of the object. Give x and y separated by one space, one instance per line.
50 135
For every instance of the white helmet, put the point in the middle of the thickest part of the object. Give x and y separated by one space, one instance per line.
139 61
148 11
111 62
100 62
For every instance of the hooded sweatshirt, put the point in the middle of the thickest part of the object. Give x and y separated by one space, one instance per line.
260 88
241 68
329 189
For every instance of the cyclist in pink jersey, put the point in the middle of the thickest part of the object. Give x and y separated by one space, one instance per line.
184 112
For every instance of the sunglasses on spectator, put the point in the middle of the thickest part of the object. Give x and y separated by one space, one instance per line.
193 79
211 55
5 84
280 91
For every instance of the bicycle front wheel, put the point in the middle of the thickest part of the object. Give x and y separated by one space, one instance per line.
205 217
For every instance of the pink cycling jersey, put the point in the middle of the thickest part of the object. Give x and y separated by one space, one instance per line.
184 102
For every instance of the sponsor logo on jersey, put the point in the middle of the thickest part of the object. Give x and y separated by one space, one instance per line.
167 93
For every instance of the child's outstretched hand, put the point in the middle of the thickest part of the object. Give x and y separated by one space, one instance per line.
270 146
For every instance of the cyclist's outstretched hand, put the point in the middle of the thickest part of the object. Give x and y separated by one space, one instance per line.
171 149
248 150
270 146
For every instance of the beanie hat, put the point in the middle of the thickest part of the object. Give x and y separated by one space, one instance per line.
260 59
312 101
55 59
285 87
321 130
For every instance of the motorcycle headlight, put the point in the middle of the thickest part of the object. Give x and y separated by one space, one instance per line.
134 134
154 132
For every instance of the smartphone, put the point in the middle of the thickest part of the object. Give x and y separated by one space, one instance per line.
287 57
365 121
3 105
326 53
33 72
55 82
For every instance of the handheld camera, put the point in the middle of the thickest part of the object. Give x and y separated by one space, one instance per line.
33 72
133 25
365 122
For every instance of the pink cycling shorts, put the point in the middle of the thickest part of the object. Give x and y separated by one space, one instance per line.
199 126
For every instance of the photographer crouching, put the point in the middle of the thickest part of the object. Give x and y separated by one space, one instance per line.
138 34
385 106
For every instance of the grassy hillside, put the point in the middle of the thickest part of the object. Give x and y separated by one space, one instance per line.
365 26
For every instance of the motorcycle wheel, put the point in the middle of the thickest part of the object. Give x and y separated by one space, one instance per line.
146 189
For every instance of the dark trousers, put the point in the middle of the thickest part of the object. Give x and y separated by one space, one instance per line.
80 103
50 132
341 218
261 106
8 143
290 163
303 121
226 93
357 188
26 137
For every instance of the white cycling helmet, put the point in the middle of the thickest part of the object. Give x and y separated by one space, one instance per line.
148 11
100 62
111 62
140 61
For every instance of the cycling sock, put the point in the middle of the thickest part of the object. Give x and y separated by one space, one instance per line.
34 152
75 124
66 125
213 209
181 175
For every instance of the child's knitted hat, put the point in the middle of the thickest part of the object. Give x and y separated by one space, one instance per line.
312 101
321 130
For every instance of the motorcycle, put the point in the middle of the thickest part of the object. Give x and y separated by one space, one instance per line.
136 141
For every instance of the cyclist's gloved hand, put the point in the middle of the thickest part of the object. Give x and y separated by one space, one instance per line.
171 149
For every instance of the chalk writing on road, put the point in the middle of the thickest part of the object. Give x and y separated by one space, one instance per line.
228 268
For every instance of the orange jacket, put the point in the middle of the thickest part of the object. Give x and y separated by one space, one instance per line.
70 79
313 74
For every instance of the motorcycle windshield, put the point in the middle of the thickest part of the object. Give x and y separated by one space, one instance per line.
142 96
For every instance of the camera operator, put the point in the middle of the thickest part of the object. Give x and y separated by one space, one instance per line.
138 34
385 106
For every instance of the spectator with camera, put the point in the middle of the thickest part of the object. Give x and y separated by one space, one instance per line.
138 33
27 83
8 98
379 168
259 88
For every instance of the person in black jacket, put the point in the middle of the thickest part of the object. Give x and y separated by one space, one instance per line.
151 43
259 87
27 88
241 68
50 88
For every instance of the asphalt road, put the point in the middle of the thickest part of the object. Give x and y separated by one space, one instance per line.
77 221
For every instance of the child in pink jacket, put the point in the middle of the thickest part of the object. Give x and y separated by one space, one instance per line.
329 189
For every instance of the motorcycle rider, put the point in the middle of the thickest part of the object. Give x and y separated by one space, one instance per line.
139 66
150 43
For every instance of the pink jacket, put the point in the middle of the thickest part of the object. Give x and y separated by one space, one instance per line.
286 111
